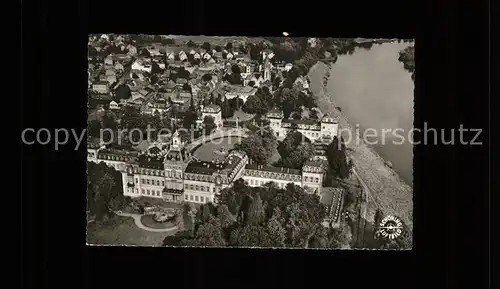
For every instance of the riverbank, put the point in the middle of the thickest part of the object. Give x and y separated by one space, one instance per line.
388 190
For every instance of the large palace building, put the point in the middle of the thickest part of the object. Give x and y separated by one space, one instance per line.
312 129
180 177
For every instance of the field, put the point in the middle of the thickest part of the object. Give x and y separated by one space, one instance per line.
123 231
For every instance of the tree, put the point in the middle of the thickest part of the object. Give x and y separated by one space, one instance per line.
229 46
104 190
250 236
134 76
313 114
224 216
154 79
206 46
218 48
190 43
251 83
258 148
235 69
189 121
253 210
208 234
95 128
122 91
155 68
337 158
277 234
144 52
209 125
206 77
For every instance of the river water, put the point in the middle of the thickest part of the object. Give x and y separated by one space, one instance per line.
374 91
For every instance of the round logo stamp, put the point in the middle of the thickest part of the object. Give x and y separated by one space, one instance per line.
391 227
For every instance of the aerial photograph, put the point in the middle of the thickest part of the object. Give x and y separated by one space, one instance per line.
250 142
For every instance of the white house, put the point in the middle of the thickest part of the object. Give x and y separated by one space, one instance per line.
288 66
207 56
131 50
139 65
113 105
170 56
197 56
182 56
229 56
215 112
119 66
108 60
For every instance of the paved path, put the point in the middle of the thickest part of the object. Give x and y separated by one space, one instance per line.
138 223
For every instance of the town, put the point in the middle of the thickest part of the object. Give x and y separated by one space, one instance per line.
246 158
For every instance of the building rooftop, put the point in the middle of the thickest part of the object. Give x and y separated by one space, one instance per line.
301 121
203 168
211 108
273 169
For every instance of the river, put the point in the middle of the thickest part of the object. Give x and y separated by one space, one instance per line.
374 91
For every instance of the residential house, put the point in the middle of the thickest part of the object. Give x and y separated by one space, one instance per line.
218 55
141 66
111 79
131 50
170 56
153 51
196 56
243 93
113 105
180 82
257 79
108 60
211 61
192 52
229 56
288 66
103 77
119 66
182 56
110 72
207 56
170 84
101 87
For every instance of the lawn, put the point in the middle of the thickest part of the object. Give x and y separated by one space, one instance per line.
123 231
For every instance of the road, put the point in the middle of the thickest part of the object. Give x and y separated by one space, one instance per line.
363 208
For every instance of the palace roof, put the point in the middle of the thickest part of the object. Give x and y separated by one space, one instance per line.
276 171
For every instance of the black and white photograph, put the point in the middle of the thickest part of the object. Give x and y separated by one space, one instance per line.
276 142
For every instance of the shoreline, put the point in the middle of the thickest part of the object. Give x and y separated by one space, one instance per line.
389 191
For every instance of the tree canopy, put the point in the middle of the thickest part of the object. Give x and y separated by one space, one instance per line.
266 217
104 190
259 147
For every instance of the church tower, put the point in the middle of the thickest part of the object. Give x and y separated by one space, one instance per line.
267 69
176 161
